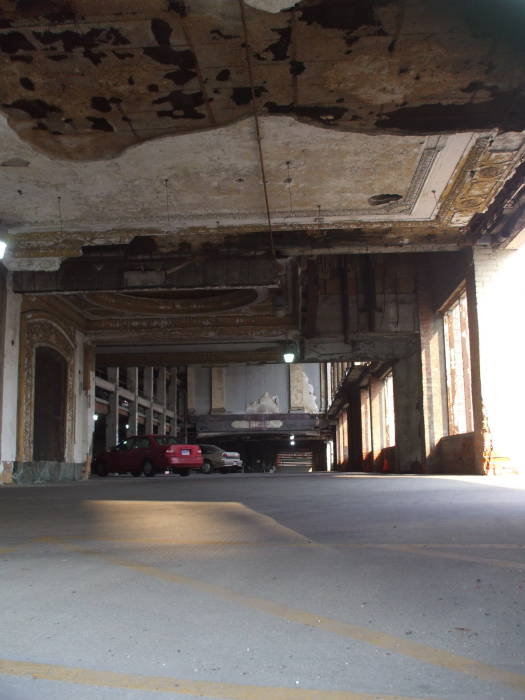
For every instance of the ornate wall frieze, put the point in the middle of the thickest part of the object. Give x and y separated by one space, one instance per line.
480 177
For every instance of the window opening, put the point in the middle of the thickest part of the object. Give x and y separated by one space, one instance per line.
458 369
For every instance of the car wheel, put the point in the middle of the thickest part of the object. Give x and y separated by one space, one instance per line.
224 470
136 473
101 469
148 469
207 467
184 472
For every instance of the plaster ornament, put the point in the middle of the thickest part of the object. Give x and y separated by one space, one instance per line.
271 5
264 404
310 401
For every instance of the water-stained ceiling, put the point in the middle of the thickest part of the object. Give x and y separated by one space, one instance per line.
339 125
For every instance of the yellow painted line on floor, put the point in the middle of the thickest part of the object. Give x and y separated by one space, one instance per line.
400 645
181 543
162 684
430 545
473 546
409 549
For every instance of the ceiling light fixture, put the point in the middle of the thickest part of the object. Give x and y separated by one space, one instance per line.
289 352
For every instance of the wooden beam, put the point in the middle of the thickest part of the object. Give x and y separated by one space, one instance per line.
168 359
150 273
311 301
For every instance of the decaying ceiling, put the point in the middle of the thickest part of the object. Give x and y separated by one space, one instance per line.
84 79
138 137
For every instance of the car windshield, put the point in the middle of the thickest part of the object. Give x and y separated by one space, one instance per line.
166 439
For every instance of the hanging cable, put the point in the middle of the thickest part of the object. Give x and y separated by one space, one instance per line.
257 129
167 202
59 203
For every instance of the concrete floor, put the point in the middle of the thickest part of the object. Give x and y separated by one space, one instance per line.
260 587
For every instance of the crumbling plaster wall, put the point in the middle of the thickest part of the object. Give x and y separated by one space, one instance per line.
84 373
258 388
247 384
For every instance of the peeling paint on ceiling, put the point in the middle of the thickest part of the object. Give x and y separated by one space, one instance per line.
272 5
84 81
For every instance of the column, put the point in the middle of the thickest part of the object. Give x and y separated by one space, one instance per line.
355 428
296 388
112 417
148 393
432 364
191 386
217 390
408 413
133 407
161 399
172 399
376 443
10 348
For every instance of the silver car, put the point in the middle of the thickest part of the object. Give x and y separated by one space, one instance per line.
217 459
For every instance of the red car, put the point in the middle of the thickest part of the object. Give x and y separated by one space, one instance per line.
148 455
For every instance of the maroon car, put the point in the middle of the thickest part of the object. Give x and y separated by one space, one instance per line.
148 455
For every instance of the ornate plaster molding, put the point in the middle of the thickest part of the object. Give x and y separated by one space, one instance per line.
478 180
158 306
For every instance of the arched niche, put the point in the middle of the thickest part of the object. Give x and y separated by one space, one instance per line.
50 399
46 348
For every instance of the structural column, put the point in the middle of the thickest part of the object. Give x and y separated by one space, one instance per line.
148 392
191 384
172 399
408 413
161 398
10 347
296 388
355 455
132 384
112 417
217 390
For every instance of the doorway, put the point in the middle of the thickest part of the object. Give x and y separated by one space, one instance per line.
49 426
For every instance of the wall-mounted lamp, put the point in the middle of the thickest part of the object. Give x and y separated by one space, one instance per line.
95 416
3 246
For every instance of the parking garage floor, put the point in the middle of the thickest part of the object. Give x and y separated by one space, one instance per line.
263 586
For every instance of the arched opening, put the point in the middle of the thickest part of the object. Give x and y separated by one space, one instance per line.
49 427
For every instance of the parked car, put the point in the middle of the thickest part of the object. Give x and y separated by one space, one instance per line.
215 458
148 455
